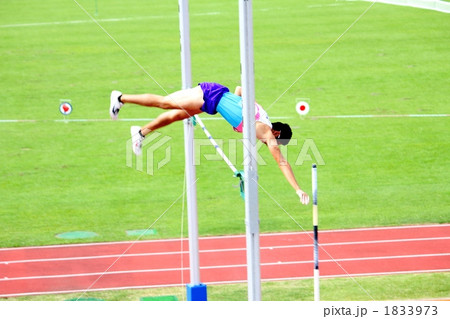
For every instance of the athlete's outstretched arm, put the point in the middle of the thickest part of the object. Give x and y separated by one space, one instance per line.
265 135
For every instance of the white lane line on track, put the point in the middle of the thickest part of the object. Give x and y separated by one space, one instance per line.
224 266
228 237
272 247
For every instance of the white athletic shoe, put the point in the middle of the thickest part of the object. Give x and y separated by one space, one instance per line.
137 140
115 104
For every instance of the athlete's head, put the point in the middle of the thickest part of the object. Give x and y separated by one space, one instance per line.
283 132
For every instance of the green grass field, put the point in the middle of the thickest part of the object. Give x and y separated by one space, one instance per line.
61 176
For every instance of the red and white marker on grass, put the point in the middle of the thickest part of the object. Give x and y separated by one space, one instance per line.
65 108
302 108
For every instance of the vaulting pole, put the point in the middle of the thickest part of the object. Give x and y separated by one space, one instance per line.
316 234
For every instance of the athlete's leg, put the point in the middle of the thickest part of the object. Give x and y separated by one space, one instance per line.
165 119
189 100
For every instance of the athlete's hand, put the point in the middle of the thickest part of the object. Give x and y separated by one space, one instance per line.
304 198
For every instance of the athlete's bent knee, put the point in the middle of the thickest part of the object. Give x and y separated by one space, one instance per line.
167 102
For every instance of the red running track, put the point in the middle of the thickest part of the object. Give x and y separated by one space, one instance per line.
284 256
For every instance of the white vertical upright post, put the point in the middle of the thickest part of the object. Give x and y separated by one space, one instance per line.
250 164
195 291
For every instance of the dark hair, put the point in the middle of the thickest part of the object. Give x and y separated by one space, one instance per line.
285 132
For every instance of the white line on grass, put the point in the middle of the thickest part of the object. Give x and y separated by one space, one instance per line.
359 116
349 116
435 5
40 24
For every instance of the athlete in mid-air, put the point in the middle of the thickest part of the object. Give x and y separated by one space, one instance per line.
211 98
